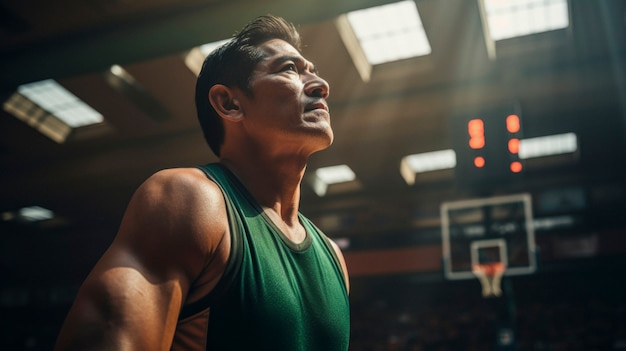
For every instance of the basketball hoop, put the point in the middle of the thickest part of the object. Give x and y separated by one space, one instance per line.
490 276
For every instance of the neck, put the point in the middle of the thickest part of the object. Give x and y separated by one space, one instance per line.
273 182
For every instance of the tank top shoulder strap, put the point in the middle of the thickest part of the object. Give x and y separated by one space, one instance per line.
325 240
216 173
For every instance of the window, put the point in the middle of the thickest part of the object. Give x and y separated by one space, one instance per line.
548 145
390 32
514 18
51 109
426 162
327 176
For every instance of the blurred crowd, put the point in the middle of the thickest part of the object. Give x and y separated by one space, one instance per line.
554 312
559 311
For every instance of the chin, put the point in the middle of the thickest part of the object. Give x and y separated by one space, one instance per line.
325 143
319 137
327 134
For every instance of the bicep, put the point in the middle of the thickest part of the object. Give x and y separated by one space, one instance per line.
122 305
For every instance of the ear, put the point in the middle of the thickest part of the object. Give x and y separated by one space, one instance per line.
224 101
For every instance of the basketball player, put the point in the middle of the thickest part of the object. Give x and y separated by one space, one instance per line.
218 257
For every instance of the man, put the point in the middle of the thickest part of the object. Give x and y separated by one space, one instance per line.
218 257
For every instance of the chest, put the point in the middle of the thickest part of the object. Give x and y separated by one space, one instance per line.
299 291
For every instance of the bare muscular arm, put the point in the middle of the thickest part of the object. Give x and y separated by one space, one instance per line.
172 230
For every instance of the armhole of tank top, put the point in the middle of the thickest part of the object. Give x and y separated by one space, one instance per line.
234 259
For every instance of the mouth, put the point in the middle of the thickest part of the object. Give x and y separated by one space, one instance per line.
319 105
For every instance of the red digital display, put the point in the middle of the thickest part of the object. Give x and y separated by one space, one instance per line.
488 145
479 162
476 131
516 167
512 124
514 146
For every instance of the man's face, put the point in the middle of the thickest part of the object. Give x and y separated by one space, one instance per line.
288 102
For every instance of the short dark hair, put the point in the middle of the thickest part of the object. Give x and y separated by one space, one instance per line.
232 64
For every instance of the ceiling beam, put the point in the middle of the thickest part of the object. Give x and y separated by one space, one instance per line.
167 34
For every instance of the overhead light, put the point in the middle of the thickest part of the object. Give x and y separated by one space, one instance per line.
514 18
327 176
335 174
54 98
35 213
426 162
432 161
548 145
51 109
390 32
28 214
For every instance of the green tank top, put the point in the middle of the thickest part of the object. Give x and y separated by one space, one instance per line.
275 294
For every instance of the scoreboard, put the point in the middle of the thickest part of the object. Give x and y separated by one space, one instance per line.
487 144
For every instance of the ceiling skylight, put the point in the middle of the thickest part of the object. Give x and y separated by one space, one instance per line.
548 145
432 161
52 97
390 32
335 174
52 110
28 214
35 213
513 18
325 177
426 162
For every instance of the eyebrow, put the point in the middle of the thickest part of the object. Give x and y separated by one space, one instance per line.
296 59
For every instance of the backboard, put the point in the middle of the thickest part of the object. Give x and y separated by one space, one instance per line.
488 230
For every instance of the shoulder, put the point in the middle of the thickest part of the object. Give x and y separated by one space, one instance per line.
342 262
178 212
178 192
344 266
179 182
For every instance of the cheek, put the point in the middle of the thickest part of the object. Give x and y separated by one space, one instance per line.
290 91
288 99
281 97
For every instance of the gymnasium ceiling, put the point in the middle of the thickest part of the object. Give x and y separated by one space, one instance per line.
570 80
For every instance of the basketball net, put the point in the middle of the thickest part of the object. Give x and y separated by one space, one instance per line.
490 276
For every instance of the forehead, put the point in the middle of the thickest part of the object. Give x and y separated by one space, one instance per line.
278 48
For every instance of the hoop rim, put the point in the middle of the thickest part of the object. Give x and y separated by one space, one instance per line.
490 269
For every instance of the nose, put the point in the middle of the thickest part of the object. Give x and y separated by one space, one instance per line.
315 86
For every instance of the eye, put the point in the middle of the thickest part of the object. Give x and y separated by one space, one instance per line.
290 67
